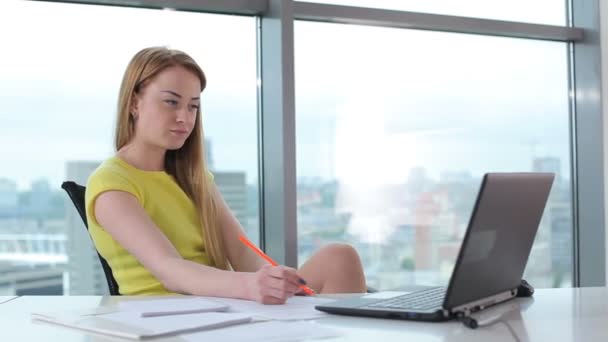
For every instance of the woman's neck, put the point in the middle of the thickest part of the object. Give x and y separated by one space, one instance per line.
143 157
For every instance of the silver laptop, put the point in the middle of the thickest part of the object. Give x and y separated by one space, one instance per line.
491 260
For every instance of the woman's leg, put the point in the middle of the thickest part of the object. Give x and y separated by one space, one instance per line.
335 268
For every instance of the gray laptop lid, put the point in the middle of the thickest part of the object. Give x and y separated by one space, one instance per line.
509 209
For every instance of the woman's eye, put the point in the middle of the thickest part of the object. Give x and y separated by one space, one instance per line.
194 107
171 102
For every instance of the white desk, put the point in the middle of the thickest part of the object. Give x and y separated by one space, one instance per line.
553 315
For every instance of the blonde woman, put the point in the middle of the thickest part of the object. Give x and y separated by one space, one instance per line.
156 216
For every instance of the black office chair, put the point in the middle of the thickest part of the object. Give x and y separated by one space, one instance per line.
76 193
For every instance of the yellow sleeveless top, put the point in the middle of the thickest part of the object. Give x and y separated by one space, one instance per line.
168 206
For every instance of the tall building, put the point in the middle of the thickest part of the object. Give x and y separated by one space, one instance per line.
9 198
559 215
548 164
85 273
233 187
39 205
209 154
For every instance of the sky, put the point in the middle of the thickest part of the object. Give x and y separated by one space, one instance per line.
369 101
426 99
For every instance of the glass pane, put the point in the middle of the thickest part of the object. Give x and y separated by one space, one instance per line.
61 71
393 139
550 12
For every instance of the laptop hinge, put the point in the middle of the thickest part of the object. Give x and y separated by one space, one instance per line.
483 303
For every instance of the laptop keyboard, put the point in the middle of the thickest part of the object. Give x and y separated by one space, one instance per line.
421 300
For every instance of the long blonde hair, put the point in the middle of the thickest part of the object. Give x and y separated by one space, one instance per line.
187 164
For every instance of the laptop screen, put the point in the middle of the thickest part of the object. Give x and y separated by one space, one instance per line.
500 235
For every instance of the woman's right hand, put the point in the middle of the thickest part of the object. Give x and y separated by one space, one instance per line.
272 284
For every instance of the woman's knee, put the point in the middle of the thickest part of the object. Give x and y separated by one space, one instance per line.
341 252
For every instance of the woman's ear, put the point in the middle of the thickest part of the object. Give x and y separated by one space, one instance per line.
134 110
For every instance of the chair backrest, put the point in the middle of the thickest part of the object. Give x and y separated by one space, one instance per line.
77 193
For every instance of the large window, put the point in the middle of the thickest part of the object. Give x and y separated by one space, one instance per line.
60 71
395 129
551 12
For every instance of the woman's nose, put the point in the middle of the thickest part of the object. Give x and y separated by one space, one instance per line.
181 115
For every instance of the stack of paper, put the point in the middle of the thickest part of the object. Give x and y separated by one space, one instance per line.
131 325
139 319
171 306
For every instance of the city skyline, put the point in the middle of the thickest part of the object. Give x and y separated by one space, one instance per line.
13 185
324 216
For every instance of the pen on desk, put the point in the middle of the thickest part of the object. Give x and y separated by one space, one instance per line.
9 299
248 243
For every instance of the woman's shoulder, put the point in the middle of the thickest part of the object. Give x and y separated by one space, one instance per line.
114 174
109 169
111 175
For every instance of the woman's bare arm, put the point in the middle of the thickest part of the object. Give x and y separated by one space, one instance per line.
123 217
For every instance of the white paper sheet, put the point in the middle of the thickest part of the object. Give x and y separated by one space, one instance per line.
171 306
296 308
131 325
272 331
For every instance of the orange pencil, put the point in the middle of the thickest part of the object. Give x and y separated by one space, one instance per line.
248 243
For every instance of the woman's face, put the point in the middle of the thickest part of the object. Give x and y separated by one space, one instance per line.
166 108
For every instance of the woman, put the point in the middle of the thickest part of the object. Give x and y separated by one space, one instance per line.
156 216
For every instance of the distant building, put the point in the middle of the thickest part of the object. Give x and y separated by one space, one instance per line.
548 164
233 187
558 214
9 197
31 279
209 154
86 276
39 201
